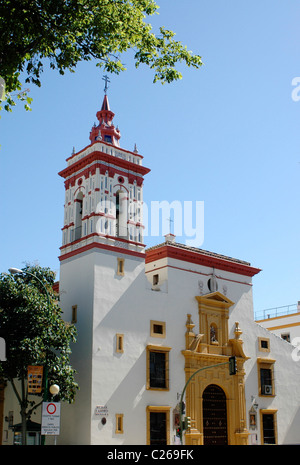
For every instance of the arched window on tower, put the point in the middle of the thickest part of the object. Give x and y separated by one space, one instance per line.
121 214
117 212
78 217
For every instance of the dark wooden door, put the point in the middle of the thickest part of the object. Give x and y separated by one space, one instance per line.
214 416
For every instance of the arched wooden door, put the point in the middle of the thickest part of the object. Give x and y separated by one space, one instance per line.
214 416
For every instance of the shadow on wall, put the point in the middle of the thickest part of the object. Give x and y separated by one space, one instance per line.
293 433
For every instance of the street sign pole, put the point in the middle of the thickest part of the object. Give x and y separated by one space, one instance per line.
50 419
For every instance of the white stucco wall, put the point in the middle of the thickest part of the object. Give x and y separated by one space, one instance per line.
76 288
109 304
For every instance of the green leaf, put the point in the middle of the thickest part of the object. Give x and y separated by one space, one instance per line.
64 33
34 330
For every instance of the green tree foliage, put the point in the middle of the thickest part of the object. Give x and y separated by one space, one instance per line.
69 31
35 334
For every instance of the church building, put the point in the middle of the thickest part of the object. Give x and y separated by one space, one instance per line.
167 348
149 319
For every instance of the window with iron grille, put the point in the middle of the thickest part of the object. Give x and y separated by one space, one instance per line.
266 377
158 368
158 375
158 430
158 425
269 428
266 381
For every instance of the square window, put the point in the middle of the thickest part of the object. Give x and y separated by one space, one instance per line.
264 344
286 337
157 328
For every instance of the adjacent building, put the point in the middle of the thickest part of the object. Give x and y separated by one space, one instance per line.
282 321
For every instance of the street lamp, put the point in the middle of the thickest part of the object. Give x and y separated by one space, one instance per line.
18 271
54 389
15 270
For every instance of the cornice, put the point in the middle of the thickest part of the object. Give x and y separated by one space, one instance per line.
200 257
99 158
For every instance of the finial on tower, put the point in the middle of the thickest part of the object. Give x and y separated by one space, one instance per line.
105 130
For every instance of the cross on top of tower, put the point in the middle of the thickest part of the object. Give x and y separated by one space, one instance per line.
106 79
170 224
105 130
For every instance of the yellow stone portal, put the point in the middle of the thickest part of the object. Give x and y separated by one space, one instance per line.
214 387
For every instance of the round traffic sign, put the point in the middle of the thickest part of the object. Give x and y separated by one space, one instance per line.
51 408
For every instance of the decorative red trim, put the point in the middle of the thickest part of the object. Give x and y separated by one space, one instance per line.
98 157
125 240
94 214
95 245
197 272
200 258
119 239
122 186
78 189
67 226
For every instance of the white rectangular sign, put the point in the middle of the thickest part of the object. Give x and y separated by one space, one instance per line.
101 410
50 418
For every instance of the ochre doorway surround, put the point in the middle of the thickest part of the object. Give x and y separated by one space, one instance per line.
212 346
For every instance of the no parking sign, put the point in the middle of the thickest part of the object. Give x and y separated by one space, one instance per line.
50 418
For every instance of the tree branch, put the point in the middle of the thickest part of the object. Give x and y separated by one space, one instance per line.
15 390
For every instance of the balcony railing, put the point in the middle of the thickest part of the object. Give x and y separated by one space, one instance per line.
276 311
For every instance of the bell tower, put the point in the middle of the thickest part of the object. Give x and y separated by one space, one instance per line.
102 262
103 192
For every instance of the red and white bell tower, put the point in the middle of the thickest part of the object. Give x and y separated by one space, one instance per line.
102 263
103 193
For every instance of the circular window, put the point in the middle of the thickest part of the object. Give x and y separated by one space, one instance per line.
121 179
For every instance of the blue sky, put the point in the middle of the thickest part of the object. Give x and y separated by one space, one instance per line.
227 134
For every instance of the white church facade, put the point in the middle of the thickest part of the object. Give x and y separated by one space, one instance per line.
147 320
154 323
